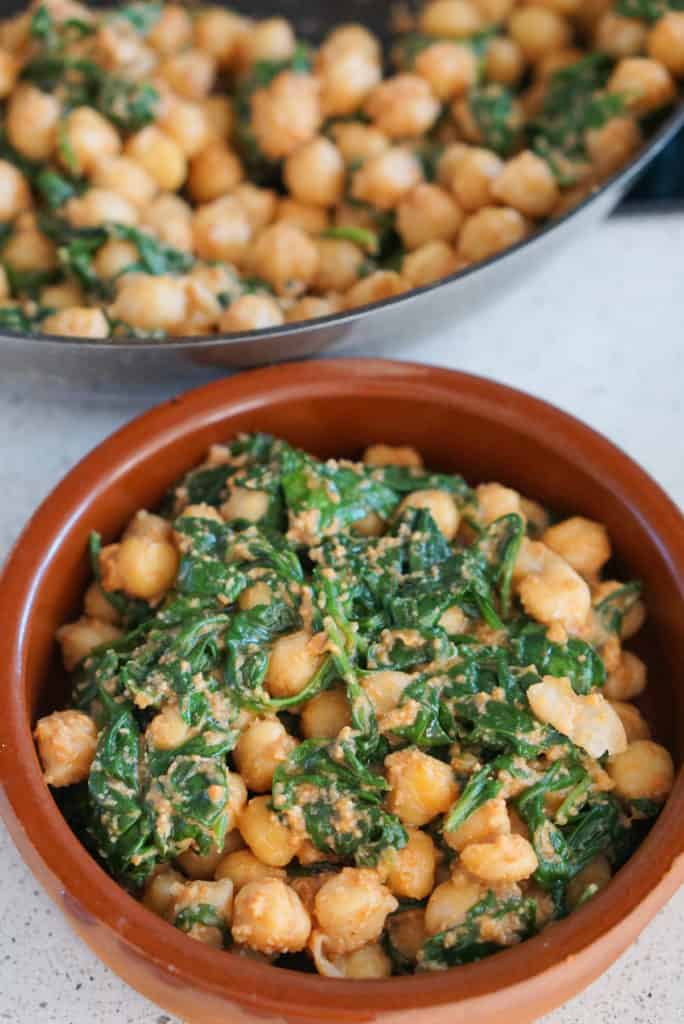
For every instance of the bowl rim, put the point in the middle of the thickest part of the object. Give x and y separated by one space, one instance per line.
638 889
619 180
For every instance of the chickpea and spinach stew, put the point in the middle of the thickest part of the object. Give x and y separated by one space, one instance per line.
355 716
172 171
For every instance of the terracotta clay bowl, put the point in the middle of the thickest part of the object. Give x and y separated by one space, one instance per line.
485 430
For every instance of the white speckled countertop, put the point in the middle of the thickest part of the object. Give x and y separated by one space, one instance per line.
599 332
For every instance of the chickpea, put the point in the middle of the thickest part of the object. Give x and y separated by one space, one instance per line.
427 214
270 39
260 204
504 61
187 124
440 505
78 639
9 70
311 219
262 746
402 107
665 42
421 787
407 933
31 122
151 303
311 307
114 257
270 917
67 741
494 12
370 525
635 725
171 31
190 73
314 173
29 249
218 116
161 889
218 895
628 680
450 18
450 902
596 874
449 69
160 155
126 177
351 908
15 32
353 38
98 206
77 322
242 867
286 258
268 839
644 771
214 171
484 825
168 729
494 501
286 114
147 565
618 36
339 263
392 455
251 313
610 146
538 31
88 137
527 184
346 80
384 179
370 961
96 605
15 195
550 589
385 689
220 33
245 503
357 141
294 660
489 231
645 84
568 8
583 543
221 230
474 177
449 161
506 860
411 870
378 286
169 218
203 866
326 714
429 262
589 721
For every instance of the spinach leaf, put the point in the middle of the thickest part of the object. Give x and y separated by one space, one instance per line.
343 813
574 104
576 659
121 825
613 608
259 168
188 805
476 938
142 16
493 110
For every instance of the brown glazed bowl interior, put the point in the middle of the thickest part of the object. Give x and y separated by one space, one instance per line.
482 429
